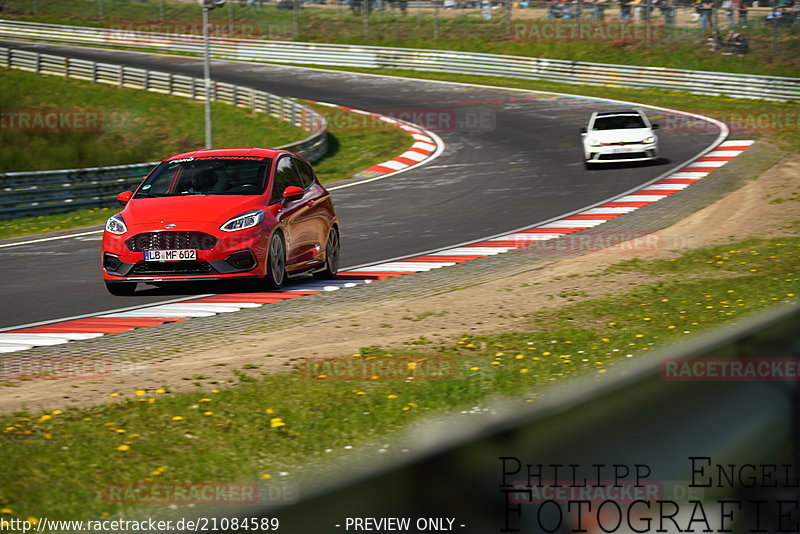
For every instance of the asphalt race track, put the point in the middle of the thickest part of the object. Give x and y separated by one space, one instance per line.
511 159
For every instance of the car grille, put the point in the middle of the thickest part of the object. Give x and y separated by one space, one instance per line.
172 268
622 143
626 155
171 241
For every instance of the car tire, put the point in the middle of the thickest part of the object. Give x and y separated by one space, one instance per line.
332 249
121 289
276 262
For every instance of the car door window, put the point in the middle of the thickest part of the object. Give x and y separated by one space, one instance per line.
306 174
285 175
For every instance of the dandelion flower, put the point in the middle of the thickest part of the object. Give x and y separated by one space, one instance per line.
266 476
276 422
124 448
177 418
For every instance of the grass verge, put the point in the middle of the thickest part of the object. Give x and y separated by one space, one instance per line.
100 125
277 425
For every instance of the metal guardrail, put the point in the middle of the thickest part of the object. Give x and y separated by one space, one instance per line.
36 193
453 466
570 72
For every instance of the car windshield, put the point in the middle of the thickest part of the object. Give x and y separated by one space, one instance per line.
618 122
212 175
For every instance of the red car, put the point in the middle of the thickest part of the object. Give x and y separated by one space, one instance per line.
221 214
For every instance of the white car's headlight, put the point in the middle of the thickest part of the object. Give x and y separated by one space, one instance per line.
595 142
116 225
648 140
245 220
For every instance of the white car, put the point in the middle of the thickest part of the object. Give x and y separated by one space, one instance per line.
619 136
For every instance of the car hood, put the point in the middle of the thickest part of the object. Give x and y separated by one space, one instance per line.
195 208
615 136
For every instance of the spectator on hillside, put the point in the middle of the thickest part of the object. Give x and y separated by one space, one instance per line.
667 8
727 5
741 6
703 9
625 11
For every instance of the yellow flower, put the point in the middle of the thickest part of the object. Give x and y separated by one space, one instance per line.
469 345
32 520
140 392
496 363
498 354
519 356
359 393
266 476
474 368
214 391
208 413
136 435
411 366
639 335
6 511
276 422
177 418
56 412
205 400
546 353
120 431
269 411
124 448
391 396
44 418
523 371
161 390
322 376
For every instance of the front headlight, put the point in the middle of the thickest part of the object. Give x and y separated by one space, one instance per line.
245 220
649 140
116 225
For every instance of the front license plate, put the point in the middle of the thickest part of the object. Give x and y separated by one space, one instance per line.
170 255
624 150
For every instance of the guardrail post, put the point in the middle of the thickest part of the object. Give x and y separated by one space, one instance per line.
169 83
121 76
37 63
146 80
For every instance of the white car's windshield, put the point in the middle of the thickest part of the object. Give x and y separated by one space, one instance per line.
618 122
209 175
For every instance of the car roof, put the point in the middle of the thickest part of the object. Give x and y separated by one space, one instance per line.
260 152
618 112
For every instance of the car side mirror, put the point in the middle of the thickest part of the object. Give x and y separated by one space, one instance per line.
583 130
125 196
292 193
654 126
